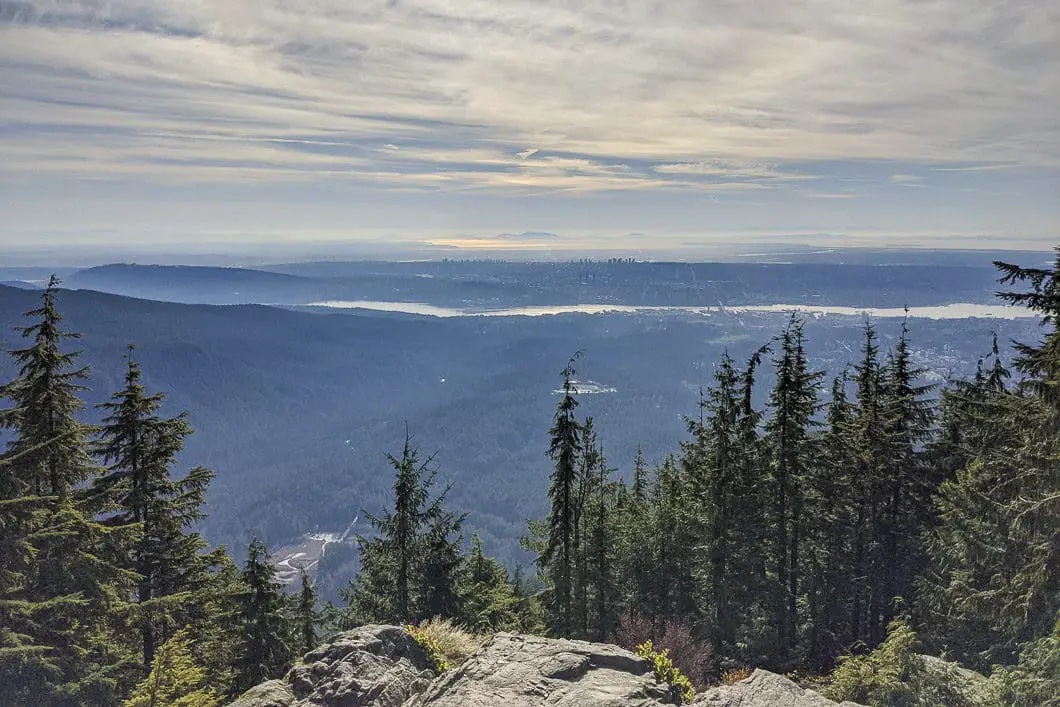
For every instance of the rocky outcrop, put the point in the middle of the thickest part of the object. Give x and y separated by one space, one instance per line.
383 666
764 689
527 671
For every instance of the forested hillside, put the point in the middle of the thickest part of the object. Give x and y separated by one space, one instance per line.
808 518
295 411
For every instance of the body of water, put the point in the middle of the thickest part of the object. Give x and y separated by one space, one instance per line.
946 311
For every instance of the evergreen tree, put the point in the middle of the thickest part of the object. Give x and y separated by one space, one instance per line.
307 616
558 557
1041 362
829 506
409 568
490 601
141 448
602 547
907 486
176 679
586 484
62 580
633 564
438 590
793 403
992 591
718 487
868 442
265 652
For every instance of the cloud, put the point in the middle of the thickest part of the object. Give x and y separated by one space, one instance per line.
906 180
447 94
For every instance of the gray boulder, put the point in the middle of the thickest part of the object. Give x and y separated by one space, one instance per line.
764 689
381 666
527 671
274 693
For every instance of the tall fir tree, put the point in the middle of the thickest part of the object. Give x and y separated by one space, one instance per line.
74 582
307 615
869 445
141 449
490 600
829 508
793 403
909 418
559 556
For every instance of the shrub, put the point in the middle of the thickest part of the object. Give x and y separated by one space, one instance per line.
691 655
448 644
896 676
1035 680
681 688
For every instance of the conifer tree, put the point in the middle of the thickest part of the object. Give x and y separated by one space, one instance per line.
409 568
558 557
718 492
265 652
141 449
438 587
489 599
176 679
586 485
633 564
793 403
829 505
991 591
74 581
1041 362
602 547
868 440
307 616
907 486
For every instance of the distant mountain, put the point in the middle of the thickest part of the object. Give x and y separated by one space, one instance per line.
193 284
21 284
496 285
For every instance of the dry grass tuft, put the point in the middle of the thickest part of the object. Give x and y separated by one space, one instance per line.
731 677
454 642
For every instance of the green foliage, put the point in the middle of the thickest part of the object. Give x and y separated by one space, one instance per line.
1035 680
895 675
137 491
559 556
410 569
430 643
489 600
175 680
265 651
681 688
307 616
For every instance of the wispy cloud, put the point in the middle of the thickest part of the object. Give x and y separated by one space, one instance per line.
524 94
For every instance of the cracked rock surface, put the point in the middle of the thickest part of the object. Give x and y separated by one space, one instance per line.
527 671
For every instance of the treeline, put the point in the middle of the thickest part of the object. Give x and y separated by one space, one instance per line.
790 536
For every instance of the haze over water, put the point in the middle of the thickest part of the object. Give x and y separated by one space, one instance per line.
946 311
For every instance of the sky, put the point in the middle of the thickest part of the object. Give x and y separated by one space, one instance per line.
483 125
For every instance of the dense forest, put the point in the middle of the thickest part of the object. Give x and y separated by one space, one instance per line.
847 516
